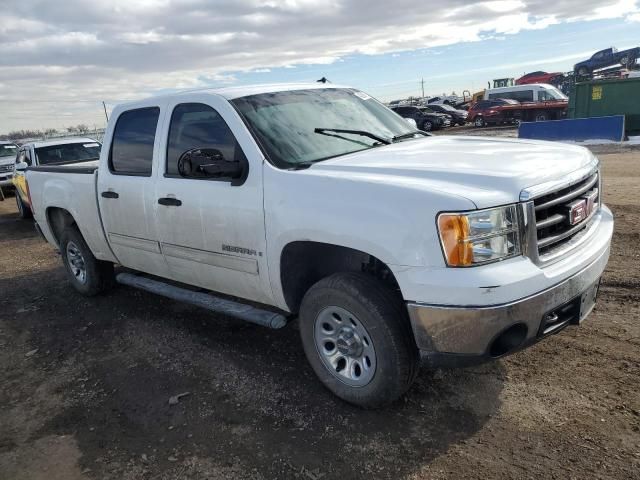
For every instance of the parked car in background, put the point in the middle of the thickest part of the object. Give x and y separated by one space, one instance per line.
607 58
540 77
535 92
7 160
425 119
458 117
50 152
385 243
486 112
507 111
446 100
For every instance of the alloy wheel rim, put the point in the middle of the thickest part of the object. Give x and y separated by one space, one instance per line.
345 346
76 263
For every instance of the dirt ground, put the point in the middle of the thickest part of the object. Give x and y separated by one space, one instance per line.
86 383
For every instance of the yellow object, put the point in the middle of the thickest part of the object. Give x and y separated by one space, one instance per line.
596 92
454 232
20 182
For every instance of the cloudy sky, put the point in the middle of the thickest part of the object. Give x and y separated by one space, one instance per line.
60 59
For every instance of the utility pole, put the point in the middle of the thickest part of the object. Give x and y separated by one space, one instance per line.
422 83
105 111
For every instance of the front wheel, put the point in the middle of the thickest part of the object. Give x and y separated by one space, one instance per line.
479 122
87 274
357 338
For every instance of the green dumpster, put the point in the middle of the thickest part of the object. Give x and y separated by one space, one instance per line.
600 98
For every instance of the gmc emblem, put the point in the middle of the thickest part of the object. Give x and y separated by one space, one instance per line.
580 209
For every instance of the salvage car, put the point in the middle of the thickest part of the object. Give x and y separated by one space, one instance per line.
425 119
485 112
315 202
540 77
607 58
7 159
48 152
458 117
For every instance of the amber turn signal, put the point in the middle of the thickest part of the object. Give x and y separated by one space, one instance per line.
454 232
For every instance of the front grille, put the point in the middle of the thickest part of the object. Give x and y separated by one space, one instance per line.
553 211
6 168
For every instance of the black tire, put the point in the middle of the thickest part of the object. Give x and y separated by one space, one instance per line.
542 116
383 314
479 122
583 71
427 126
99 276
23 210
624 61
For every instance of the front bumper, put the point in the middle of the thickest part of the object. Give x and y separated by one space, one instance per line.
6 181
459 335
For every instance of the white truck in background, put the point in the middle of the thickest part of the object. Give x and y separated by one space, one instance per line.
318 202
7 160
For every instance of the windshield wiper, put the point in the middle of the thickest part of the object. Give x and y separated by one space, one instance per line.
410 135
362 133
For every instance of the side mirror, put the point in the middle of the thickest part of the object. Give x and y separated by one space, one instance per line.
412 122
207 163
21 166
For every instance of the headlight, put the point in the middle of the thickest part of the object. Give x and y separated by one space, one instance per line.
479 237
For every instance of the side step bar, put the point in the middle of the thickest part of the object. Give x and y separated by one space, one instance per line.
204 300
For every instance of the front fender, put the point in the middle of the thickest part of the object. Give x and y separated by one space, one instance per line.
393 219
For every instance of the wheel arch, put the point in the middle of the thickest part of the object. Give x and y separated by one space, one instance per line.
58 219
303 263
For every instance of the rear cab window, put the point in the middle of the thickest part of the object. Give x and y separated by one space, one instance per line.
134 135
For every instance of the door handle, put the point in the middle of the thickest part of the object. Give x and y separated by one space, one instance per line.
169 202
109 194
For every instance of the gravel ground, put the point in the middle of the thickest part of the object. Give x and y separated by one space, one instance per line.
86 385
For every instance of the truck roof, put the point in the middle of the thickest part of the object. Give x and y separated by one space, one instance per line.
60 141
231 93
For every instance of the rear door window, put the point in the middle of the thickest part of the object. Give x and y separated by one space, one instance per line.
132 145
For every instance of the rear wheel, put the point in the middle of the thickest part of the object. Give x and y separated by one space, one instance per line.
583 71
427 126
23 210
357 338
87 274
542 116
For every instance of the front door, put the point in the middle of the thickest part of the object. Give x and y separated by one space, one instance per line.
126 191
212 228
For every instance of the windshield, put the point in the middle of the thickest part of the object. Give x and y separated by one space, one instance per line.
69 152
292 126
444 106
551 93
8 150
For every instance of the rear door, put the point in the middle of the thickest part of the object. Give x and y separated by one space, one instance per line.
212 227
126 190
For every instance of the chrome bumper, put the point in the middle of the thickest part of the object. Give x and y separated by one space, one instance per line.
470 331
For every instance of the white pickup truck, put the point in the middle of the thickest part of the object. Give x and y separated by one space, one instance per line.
318 202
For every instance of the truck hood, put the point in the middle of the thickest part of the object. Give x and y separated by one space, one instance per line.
7 160
486 171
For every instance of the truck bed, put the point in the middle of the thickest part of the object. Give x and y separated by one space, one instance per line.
70 187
